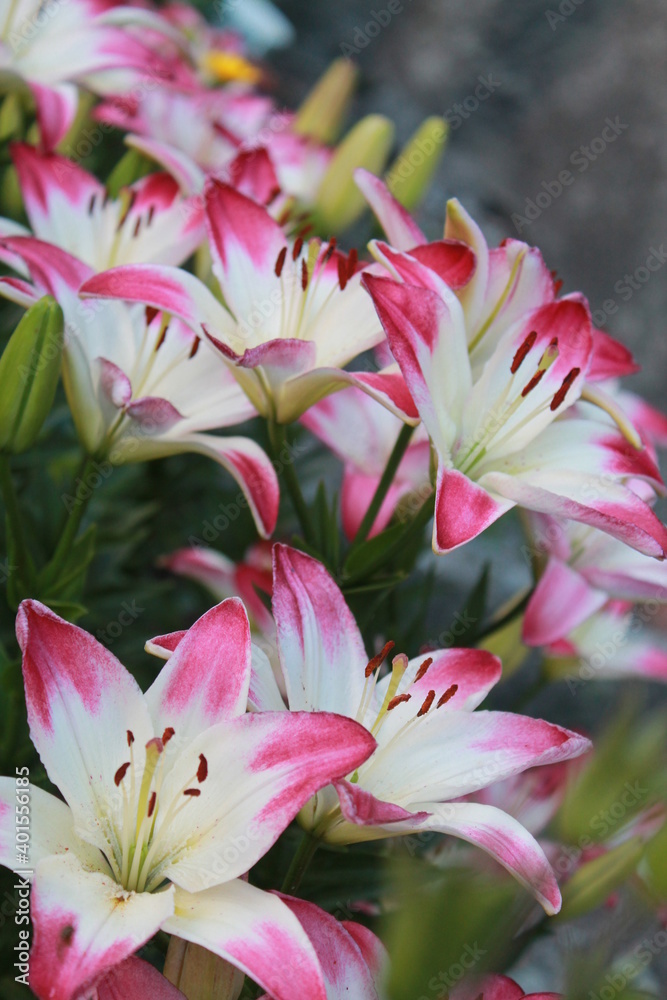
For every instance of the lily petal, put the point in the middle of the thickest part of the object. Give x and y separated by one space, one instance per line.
135 979
561 600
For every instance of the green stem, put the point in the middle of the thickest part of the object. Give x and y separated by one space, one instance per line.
399 449
302 858
70 529
419 521
26 566
278 439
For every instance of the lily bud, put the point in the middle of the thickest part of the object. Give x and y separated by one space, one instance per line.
594 882
11 116
322 113
199 974
29 371
339 201
411 172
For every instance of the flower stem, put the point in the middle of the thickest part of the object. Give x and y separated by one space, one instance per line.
302 858
26 567
71 526
399 449
278 439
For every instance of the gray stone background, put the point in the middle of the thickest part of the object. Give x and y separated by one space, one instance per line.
560 69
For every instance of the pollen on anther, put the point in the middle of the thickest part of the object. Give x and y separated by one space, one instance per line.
202 770
120 773
352 261
533 382
304 275
331 246
448 695
151 804
151 313
423 668
296 249
379 658
195 347
428 701
562 392
280 261
398 699
161 338
130 737
137 227
151 213
167 734
91 204
522 351
192 792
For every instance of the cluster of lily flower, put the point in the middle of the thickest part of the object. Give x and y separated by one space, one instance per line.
487 390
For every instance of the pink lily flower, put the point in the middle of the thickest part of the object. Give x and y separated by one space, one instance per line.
137 384
495 988
86 43
362 434
492 398
170 797
135 979
433 749
504 283
585 568
296 313
608 645
354 961
67 206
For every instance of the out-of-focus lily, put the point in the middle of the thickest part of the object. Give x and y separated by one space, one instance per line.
362 434
494 390
137 383
495 988
295 312
433 749
55 49
170 797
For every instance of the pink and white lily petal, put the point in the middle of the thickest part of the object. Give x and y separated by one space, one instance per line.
495 988
505 839
56 109
135 979
352 958
611 359
400 228
320 645
561 600
267 766
81 702
85 923
255 931
207 678
463 510
473 671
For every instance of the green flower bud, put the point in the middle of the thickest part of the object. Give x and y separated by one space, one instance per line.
411 172
322 113
339 200
29 371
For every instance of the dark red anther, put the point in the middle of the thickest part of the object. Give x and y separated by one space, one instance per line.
91 204
167 734
273 194
195 347
328 253
284 215
151 313
352 261
539 374
423 668
304 275
449 693
398 700
130 737
523 350
202 770
193 792
296 249
562 392
304 231
342 273
280 261
151 213
151 804
137 226
377 660
120 773
428 701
